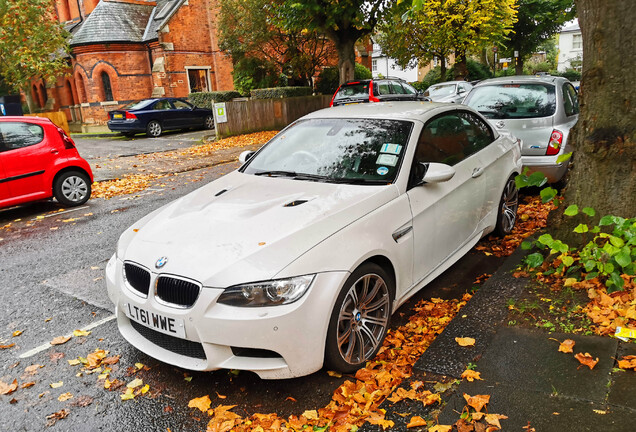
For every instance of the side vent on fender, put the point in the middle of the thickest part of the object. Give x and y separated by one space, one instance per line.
295 203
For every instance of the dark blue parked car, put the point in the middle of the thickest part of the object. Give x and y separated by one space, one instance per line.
153 116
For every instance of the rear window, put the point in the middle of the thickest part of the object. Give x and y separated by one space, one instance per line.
14 135
513 100
137 105
359 90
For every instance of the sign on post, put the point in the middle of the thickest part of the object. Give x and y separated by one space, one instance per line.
220 113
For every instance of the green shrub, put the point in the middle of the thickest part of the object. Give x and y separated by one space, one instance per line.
476 71
362 72
207 99
250 73
571 74
280 92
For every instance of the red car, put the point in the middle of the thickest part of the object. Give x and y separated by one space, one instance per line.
38 161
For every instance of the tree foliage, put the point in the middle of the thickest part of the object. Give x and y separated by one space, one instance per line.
463 25
343 21
537 22
262 48
32 42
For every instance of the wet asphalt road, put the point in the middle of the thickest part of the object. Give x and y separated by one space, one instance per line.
51 274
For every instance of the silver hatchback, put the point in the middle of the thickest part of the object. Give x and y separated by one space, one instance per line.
540 111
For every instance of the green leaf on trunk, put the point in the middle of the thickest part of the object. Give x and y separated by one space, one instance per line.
534 260
589 211
581 228
572 210
548 194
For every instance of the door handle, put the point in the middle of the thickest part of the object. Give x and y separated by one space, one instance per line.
477 172
54 151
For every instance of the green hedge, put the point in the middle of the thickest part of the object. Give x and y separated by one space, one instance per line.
206 99
280 92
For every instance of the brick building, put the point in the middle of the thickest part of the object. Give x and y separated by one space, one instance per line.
126 50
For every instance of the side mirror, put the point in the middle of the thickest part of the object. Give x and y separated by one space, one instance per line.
245 156
436 173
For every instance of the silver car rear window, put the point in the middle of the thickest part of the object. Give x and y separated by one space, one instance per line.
510 101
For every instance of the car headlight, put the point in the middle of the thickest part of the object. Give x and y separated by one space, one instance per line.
269 293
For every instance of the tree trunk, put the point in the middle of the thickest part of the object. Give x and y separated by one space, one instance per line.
519 66
29 98
461 69
604 173
442 67
346 59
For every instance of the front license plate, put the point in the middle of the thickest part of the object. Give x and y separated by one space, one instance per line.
155 321
118 116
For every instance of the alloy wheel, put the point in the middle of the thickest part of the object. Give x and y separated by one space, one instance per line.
74 188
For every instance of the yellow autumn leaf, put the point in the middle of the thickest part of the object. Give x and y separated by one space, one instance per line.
416 421
465 341
471 375
60 340
79 333
135 383
139 366
202 403
73 362
440 428
128 395
57 384
145 389
311 415
16 333
64 397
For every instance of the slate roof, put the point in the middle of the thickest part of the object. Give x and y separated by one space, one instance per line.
160 15
115 22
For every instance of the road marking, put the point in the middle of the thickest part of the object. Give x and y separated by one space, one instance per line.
48 345
65 211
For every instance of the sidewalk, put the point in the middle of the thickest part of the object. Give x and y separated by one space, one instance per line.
527 378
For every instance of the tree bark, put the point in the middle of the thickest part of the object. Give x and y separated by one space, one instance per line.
519 66
442 67
346 59
461 69
604 173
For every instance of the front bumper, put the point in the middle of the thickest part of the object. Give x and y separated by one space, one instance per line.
547 165
274 342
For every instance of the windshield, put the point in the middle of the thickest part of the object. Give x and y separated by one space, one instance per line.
441 90
137 105
513 100
356 90
365 151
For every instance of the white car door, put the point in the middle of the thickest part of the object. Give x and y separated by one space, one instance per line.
445 214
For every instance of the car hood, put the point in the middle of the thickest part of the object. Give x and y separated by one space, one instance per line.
244 228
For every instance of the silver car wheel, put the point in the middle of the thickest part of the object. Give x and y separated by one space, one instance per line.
363 319
508 210
74 188
154 129
209 122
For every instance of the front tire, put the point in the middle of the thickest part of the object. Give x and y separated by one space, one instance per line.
154 129
208 122
507 211
360 318
73 188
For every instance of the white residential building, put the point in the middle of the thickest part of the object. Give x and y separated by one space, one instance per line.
570 46
384 66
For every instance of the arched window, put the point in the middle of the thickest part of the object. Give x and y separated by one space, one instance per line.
69 92
108 91
45 97
82 96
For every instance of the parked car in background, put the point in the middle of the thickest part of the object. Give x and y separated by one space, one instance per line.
154 116
300 257
375 90
540 111
38 161
450 91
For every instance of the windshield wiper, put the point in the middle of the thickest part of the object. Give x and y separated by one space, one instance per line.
358 181
292 174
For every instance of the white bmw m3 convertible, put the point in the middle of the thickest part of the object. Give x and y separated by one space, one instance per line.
298 259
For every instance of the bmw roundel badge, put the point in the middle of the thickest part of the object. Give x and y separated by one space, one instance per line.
161 262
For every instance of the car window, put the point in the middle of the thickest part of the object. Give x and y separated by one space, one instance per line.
409 89
338 150
478 132
352 91
570 100
502 101
396 88
163 105
137 105
16 135
384 88
443 140
441 90
181 105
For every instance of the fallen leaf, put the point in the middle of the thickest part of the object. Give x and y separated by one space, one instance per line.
586 359
27 384
128 395
440 428
465 341
600 412
289 398
79 333
82 401
311 415
110 360
52 418
493 419
478 401
7 346
60 340
139 366
566 346
64 397
16 333
627 362
334 374
220 396
202 403
145 389
8 388
32 370
471 375
57 384
416 421
73 362
135 383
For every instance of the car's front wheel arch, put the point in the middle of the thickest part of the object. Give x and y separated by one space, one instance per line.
62 176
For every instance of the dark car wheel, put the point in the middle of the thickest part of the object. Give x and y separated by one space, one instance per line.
507 212
208 123
360 318
154 129
72 188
